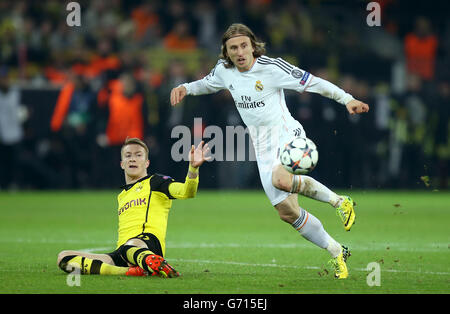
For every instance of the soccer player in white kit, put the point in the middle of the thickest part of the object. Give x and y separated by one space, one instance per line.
256 83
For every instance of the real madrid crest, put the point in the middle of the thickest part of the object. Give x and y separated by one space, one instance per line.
259 86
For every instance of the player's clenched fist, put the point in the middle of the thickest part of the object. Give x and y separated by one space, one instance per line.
356 106
177 94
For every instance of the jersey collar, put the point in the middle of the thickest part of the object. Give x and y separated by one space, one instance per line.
129 186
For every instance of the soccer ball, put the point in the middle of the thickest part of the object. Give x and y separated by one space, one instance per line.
299 156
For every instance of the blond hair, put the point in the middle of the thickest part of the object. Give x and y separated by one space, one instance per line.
235 30
137 141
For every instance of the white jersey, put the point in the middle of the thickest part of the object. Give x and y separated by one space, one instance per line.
259 92
259 97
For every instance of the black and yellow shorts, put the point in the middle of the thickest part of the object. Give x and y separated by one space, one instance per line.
150 240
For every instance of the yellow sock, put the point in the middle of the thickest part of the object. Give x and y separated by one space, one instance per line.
88 266
136 256
107 269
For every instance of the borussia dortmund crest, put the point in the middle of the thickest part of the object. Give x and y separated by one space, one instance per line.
139 187
259 86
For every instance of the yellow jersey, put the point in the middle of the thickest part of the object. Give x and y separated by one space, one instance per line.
143 206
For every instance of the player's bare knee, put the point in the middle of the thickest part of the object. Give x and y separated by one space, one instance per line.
286 217
136 242
281 179
287 211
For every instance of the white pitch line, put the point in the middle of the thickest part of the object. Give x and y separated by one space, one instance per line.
96 249
381 246
99 249
431 247
51 241
296 267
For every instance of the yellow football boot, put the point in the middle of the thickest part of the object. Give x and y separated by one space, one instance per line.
339 263
346 212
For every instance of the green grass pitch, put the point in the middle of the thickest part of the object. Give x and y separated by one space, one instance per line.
231 242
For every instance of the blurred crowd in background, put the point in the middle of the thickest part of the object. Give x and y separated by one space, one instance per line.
70 95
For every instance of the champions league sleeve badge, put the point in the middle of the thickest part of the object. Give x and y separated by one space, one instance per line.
304 78
296 73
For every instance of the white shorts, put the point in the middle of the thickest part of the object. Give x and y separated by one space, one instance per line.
268 157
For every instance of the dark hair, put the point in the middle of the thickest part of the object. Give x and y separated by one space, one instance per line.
235 30
135 140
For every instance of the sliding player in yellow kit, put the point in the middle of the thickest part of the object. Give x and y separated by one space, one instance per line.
143 210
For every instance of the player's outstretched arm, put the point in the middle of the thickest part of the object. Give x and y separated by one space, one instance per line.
188 189
197 156
329 90
177 94
356 106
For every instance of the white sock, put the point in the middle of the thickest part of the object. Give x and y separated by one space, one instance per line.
334 248
314 189
312 230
